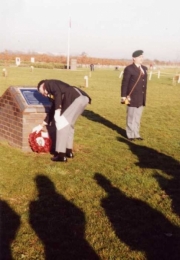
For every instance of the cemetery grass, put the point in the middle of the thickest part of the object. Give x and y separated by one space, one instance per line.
115 199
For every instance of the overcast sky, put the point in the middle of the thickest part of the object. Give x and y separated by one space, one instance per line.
100 28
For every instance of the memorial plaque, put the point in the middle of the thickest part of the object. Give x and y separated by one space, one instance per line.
21 109
33 97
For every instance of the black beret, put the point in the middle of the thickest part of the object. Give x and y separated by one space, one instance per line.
137 53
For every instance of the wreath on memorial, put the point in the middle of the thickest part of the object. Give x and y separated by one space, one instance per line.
40 142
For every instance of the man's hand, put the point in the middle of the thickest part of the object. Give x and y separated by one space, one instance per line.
57 115
123 100
37 129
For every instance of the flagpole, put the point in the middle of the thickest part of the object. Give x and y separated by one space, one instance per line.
69 29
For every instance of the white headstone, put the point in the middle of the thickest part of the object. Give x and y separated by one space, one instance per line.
150 75
120 75
18 61
86 81
4 72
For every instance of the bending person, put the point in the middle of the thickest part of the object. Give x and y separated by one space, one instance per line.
68 103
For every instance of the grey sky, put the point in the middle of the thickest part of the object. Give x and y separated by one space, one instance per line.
101 28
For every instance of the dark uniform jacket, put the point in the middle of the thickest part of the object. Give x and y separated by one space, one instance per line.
61 95
130 76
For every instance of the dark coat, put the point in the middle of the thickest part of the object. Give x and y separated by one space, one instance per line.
130 76
62 95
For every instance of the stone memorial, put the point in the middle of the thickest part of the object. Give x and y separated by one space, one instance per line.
21 109
73 64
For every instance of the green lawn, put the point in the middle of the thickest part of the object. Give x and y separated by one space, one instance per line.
116 200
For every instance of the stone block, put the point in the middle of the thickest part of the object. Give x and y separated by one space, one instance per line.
21 109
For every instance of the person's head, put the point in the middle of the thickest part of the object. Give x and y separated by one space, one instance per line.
138 57
41 88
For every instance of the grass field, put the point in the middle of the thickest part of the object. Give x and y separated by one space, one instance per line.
116 200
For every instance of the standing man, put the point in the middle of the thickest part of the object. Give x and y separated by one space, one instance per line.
133 89
92 67
68 103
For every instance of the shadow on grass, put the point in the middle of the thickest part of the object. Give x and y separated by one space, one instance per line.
150 158
9 225
138 225
59 224
101 120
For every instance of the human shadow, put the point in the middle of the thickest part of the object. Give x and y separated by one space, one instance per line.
90 115
138 225
59 224
151 158
9 225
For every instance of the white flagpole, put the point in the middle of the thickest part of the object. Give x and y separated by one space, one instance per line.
69 29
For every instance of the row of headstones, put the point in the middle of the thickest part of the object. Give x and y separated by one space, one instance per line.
5 72
176 78
18 60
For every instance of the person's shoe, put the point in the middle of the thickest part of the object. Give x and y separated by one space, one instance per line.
69 153
60 157
139 138
131 139
55 154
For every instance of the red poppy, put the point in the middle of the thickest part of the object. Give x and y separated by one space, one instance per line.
40 142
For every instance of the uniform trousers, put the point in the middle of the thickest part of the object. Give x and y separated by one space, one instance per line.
133 120
65 136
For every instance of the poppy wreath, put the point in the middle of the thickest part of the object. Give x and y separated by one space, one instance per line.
40 142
